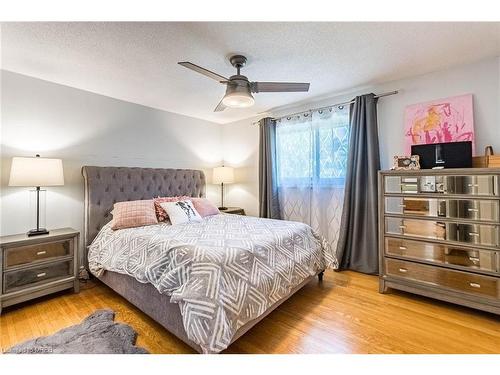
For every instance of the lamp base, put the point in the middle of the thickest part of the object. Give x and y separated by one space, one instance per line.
37 232
222 208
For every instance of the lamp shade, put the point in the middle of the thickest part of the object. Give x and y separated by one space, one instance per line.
238 96
36 172
223 175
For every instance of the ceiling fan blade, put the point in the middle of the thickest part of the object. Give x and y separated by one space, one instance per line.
279 86
220 107
203 71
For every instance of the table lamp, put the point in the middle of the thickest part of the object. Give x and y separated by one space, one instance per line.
223 175
36 172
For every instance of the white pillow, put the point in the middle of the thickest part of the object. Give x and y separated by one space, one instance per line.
181 212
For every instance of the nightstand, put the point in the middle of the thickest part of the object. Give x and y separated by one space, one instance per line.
233 210
32 267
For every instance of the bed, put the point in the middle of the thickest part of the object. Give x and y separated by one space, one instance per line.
207 283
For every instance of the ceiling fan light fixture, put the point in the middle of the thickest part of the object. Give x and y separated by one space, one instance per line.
239 89
238 96
238 101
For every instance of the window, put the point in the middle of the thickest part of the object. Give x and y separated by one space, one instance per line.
312 148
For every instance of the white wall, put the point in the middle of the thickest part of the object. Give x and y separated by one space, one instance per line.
241 150
482 79
84 128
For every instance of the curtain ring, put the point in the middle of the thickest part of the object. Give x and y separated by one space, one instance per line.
320 111
341 107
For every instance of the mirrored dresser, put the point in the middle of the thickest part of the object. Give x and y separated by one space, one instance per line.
439 234
32 267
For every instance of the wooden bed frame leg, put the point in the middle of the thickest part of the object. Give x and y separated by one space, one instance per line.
320 275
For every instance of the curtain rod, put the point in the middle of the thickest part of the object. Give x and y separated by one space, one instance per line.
332 105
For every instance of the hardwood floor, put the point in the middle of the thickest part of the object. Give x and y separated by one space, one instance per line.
344 314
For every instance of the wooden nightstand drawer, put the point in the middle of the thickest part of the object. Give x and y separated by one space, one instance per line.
34 253
44 273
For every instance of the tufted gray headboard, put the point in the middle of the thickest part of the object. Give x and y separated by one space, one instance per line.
106 185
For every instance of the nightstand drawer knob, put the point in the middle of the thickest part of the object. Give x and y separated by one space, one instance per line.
41 252
475 285
403 270
41 274
402 248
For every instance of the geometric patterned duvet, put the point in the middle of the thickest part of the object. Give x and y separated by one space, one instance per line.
223 271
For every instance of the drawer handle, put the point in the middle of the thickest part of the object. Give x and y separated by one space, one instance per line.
41 252
403 248
472 210
402 205
474 234
474 260
402 226
475 285
473 185
403 270
41 274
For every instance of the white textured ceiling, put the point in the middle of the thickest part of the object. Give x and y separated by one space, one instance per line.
137 62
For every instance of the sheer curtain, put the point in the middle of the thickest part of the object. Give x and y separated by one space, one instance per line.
311 154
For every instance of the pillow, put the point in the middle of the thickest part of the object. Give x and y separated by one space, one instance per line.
133 214
160 212
181 212
204 207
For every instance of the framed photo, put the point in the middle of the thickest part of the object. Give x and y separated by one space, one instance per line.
406 162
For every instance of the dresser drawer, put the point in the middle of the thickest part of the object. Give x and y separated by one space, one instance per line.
476 234
471 185
469 283
16 256
443 254
24 278
417 228
471 209
479 185
401 184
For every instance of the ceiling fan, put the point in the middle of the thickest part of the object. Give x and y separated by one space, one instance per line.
239 89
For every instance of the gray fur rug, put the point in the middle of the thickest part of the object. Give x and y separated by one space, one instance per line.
96 334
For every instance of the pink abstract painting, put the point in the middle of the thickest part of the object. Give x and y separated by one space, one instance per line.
438 121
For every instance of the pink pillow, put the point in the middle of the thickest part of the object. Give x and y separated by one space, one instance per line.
204 207
133 214
161 214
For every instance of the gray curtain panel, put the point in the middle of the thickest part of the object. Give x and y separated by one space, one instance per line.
268 190
357 248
